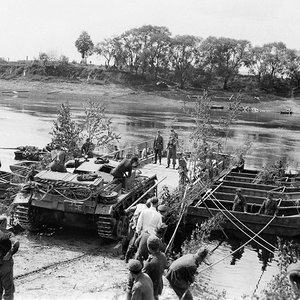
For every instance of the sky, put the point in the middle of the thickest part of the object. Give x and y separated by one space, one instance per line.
28 27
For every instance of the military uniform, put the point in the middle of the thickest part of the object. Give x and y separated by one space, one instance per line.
8 247
140 286
269 207
123 167
239 203
87 149
158 146
58 161
172 144
181 275
154 267
142 252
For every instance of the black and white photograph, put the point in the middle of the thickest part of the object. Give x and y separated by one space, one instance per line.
149 150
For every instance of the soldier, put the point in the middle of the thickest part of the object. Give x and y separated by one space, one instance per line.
239 202
269 206
171 147
293 273
129 247
155 265
241 164
181 273
149 219
140 286
142 252
87 148
124 169
182 170
158 146
163 210
58 157
8 247
117 154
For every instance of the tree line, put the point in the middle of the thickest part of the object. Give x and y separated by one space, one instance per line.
153 52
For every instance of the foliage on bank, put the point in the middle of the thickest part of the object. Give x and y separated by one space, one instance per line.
153 55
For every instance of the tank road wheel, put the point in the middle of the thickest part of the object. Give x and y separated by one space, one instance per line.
25 218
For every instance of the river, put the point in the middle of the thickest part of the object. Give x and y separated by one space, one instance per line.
26 119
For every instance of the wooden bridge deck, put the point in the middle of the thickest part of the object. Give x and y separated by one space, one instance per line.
172 176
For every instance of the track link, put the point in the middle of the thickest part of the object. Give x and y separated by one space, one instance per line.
25 218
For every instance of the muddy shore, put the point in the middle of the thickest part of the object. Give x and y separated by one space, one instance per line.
63 89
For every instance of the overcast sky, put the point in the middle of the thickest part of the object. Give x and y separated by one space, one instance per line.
28 27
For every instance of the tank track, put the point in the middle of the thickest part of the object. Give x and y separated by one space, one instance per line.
105 226
24 218
111 228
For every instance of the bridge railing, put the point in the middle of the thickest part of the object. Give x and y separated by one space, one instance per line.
142 150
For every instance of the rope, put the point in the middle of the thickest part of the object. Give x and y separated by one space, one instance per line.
226 236
239 248
177 225
208 195
71 199
241 222
243 225
39 188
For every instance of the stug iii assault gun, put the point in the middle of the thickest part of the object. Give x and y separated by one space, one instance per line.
87 197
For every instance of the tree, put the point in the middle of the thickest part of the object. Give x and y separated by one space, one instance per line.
84 45
69 134
256 62
224 56
270 63
210 135
143 49
65 131
293 69
183 54
96 125
107 49
43 57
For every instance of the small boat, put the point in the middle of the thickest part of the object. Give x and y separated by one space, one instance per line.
222 194
216 107
288 111
282 225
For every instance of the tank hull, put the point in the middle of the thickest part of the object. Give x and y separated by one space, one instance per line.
96 207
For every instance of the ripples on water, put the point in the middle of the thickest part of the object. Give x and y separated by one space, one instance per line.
28 121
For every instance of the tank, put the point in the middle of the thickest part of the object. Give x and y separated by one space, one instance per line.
86 197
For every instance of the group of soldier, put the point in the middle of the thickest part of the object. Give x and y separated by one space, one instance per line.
145 253
268 207
172 155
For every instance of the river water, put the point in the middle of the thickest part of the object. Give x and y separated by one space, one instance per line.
26 120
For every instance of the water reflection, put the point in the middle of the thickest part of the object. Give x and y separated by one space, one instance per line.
237 250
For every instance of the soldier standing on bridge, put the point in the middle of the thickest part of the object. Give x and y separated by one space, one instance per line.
171 148
158 146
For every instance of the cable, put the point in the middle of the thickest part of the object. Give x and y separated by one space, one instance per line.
239 248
